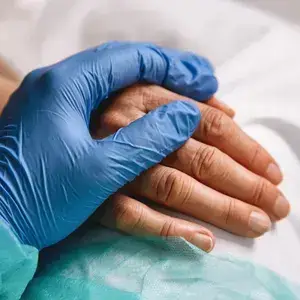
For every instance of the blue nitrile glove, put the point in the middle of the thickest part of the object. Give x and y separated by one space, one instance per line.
53 175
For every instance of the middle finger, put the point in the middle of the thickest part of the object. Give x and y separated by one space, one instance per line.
220 172
179 191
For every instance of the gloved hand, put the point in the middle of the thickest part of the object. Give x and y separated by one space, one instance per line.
53 175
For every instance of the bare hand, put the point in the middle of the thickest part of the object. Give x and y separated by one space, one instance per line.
220 176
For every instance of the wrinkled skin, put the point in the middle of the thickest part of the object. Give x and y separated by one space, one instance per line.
220 176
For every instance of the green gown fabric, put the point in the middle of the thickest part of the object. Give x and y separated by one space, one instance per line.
98 263
17 265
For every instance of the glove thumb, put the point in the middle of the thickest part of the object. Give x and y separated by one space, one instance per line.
144 143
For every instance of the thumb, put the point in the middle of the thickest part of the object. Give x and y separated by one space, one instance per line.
144 143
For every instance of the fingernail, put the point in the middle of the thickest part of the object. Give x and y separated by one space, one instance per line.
281 207
203 242
259 223
273 173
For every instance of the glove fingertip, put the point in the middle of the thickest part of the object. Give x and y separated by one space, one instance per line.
190 75
208 88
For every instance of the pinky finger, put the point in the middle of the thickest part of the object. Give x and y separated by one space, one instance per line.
133 217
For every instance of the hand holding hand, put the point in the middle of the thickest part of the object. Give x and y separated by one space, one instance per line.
53 174
220 176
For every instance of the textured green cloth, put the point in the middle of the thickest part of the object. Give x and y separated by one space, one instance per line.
17 264
101 264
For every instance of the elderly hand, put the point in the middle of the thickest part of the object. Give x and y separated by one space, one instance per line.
220 176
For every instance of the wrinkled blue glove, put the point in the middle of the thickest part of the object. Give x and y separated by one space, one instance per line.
53 175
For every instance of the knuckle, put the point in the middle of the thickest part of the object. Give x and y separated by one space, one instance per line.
31 77
163 184
255 154
172 189
228 211
214 124
205 163
259 192
148 94
52 78
135 96
168 228
129 215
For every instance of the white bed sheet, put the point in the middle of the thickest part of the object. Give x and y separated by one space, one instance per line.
256 58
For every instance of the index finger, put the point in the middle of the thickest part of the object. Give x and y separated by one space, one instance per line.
219 130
